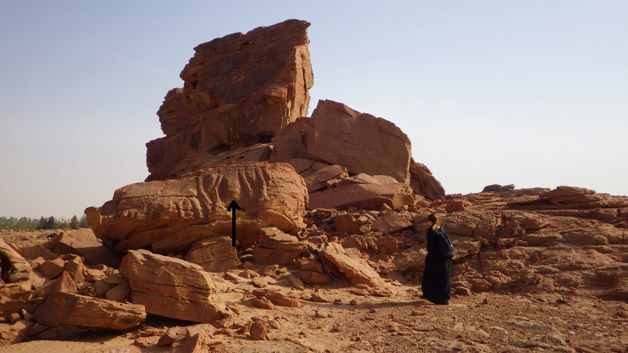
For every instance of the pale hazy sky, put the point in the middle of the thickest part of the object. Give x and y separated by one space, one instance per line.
533 93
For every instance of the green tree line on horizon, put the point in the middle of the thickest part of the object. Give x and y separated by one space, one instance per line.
27 223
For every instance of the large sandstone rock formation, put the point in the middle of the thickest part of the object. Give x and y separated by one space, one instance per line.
171 215
239 90
341 138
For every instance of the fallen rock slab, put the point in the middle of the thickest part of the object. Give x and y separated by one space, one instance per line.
424 183
277 247
171 287
215 254
354 269
62 309
363 191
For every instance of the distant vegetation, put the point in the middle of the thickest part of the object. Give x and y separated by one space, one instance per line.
26 223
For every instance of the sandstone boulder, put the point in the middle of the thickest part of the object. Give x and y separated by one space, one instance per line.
337 134
215 254
277 247
354 269
424 183
410 260
498 188
346 222
456 205
289 145
74 310
75 268
313 277
238 90
52 268
391 222
64 284
17 296
14 332
278 298
119 293
171 215
363 191
263 303
14 266
83 242
171 287
359 142
259 330
318 179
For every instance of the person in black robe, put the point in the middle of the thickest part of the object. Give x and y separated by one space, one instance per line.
436 275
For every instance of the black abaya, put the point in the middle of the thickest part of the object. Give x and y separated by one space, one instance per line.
436 275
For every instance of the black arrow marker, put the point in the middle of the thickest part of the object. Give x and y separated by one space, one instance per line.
233 206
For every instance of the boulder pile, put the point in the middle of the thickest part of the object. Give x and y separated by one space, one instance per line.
332 198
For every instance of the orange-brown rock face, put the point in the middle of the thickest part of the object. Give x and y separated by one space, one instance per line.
239 90
359 142
337 134
171 215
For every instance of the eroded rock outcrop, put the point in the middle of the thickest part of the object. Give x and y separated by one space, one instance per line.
238 90
171 215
